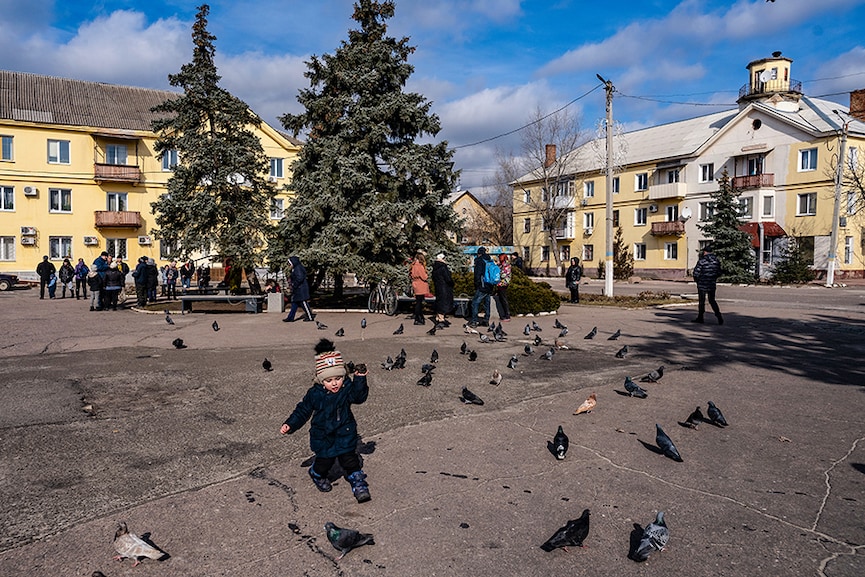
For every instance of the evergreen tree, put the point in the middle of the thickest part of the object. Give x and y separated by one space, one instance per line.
217 199
730 243
367 194
623 259
794 265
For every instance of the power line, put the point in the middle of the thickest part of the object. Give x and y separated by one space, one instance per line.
677 102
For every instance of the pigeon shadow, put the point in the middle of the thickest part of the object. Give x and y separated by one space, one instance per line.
688 425
552 449
623 393
859 467
634 543
146 538
654 448
366 448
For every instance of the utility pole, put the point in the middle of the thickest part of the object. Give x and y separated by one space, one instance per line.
608 262
836 212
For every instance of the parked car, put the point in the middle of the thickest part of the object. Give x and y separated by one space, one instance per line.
7 281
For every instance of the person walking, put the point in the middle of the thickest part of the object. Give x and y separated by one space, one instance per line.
299 291
444 287
501 294
44 269
66 274
706 274
572 279
81 271
419 286
483 291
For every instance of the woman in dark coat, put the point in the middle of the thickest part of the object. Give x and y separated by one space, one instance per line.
572 279
444 287
299 291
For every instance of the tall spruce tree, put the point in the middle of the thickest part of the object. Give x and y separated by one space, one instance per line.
730 243
218 198
623 258
367 193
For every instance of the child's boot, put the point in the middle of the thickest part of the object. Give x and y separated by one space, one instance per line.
359 486
322 483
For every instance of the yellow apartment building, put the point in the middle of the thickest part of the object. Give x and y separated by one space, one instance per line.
779 148
78 171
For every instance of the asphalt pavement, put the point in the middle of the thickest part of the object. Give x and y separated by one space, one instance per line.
102 420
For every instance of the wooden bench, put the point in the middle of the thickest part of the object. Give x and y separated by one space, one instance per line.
252 302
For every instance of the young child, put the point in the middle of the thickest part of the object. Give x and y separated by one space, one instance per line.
333 430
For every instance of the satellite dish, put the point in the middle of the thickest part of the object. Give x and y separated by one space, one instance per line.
765 76
686 214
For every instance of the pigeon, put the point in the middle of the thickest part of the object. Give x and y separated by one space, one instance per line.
344 540
654 376
491 328
622 353
178 344
426 379
715 415
499 337
528 350
634 389
470 398
432 331
537 342
655 537
500 330
615 335
512 363
666 444
558 325
320 326
484 339
434 356
563 332
527 331
560 344
560 444
215 326
469 330
427 368
168 318
340 332
536 327
464 348
399 363
363 323
266 365
592 333
473 356
401 354
350 368
398 331
130 545
497 378
571 535
387 364
694 419
548 356
588 405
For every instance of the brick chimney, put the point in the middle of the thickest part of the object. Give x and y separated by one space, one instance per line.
857 104
551 151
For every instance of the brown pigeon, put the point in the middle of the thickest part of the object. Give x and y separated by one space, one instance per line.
131 545
587 405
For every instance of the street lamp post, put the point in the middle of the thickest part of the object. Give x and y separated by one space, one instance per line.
608 261
836 212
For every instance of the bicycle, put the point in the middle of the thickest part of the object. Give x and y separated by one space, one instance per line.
383 299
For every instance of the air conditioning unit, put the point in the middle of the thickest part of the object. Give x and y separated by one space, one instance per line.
30 191
585 202
28 231
91 240
28 240
145 240
272 179
588 231
653 208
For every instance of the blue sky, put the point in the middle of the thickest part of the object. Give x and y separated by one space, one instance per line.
486 65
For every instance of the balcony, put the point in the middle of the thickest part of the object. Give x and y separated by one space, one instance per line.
672 228
117 219
565 233
754 181
116 173
671 190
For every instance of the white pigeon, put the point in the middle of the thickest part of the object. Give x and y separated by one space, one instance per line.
132 546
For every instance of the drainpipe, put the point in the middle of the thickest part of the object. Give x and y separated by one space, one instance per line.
761 240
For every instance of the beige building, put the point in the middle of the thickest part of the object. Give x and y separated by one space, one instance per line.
779 149
478 224
78 170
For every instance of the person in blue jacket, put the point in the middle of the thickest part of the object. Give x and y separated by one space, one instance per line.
333 430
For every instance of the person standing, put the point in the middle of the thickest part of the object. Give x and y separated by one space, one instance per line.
419 286
518 261
501 294
100 265
187 271
95 283
171 276
81 271
483 291
152 280
706 274
444 287
113 286
52 285
299 291
572 279
44 269
66 274
140 276
203 274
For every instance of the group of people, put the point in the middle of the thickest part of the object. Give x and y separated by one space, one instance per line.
485 290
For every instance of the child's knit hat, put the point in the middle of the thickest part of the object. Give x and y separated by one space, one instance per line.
328 361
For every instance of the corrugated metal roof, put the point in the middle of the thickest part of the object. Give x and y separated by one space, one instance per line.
46 99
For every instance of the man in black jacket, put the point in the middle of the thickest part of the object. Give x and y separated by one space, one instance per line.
44 269
706 275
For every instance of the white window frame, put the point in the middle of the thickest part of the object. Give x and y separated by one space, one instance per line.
7 198
641 216
170 158
59 247
276 167
589 189
527 196
7 148
55 200
7 248
852 158
706 211
808 159
851 202
806 204
768 208
527 225
639 251
117 201
848 250
588 220
588 252
59 151
707 172
641 181
116 247
566 188
527 254
671 251
672 212
768 249
746 207
545 253
277 208
116 154
616 184
673 175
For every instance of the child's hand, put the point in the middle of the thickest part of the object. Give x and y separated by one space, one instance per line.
360 370
284 429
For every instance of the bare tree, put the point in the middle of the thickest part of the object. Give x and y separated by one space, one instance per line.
501 198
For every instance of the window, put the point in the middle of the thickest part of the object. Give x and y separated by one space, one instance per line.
58 152
768 206
7 248
755 165
707 211
59 247
7 198
768 248
852 158
566 188
565 254
116 247
707 172
673 175
615 185
276 167
168 249
545 253
671 251
527 225
848 250
527 196
746 207
588 220
588 252
6 148
641 181
589 188
806 247
117 201
641 215
615 218
807 159
851 203
60 200
639 251
527 253
169 159
807 205
115 154
544 196
277 209
672 213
